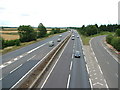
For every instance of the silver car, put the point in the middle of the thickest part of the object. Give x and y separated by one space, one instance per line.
51 43
58 40
77 54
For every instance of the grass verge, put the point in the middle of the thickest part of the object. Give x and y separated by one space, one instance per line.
12 48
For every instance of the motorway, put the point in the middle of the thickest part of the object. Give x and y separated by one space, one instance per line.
19 62
68 72
108 62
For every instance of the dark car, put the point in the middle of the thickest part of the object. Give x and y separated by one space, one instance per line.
77 54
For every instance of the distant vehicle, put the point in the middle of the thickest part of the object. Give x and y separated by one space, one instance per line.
77 54
51 43
73 38
60 36
77 36
73 35
69 31
58 40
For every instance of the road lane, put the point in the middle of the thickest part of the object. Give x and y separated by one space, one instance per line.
79 75
27 63
107 63
18 52
58 77
69 72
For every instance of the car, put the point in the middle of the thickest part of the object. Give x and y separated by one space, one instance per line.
51 43
58 40
60 36
77 54
77 36
73 35
73 38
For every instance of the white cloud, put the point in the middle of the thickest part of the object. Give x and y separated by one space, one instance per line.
58 12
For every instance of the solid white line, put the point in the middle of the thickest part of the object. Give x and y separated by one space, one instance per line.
91 83
71 65
87 69
68 82
54 65
110 53
36 48
16 68
100 69
31 58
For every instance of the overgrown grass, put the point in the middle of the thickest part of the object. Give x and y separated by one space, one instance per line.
86 39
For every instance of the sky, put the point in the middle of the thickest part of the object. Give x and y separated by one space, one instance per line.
58 13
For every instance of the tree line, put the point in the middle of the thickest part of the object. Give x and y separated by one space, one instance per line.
114 40
27 33
95 29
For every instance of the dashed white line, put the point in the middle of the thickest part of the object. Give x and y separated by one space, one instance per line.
72 56
68 82
15 58
71 65
16 68
100 69
87 69
31 58
54 65
21 56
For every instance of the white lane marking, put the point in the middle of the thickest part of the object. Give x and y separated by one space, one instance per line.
72 56
87 69
91 83
1 66
94 73
36 48
21 56
71 65
106 83
98 83
1 79
31 58
68 82
97 61
116 75
54 65
110 53
100 69
15 59
16 68
11 61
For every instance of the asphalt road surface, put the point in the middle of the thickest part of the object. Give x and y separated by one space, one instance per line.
20 61
68 72
108 63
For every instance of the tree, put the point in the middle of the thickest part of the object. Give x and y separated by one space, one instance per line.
2 41
27 33
42 31
118 32
91 30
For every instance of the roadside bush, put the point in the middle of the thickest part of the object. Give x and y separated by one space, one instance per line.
12 42
2 43
117 32
109 38
116 43
17 42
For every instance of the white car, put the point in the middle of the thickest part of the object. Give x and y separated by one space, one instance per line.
73 35
60 36
51 43
58 40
